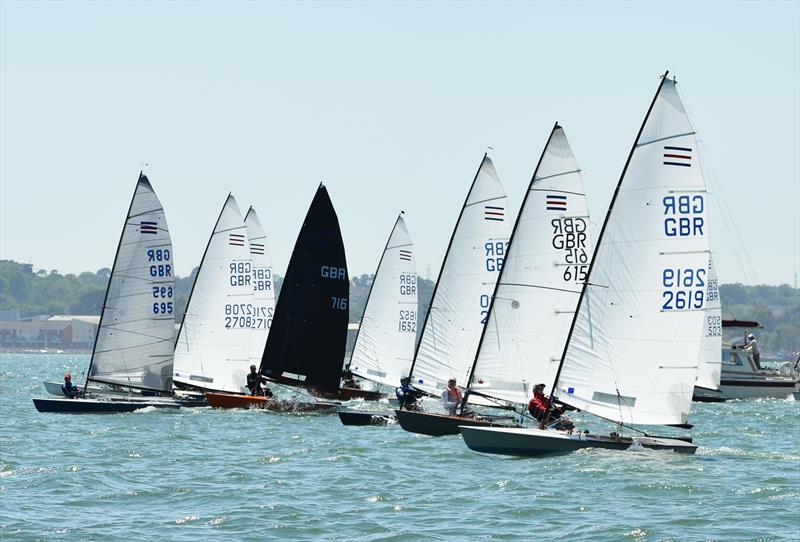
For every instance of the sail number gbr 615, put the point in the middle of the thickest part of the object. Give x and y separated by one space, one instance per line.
684 289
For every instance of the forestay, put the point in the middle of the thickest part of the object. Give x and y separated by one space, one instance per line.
632 355
384 346
709 368
213 347
263 286
133 346
308 336
540 282
469 271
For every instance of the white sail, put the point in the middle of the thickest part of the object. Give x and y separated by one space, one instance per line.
137 326
213 346
461 301
263 286
709 368
384 347
632 356
540 283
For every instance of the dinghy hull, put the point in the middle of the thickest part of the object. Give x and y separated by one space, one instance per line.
230 400
353 417
438 425
96 406
533 442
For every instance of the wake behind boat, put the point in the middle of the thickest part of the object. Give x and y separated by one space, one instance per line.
234 400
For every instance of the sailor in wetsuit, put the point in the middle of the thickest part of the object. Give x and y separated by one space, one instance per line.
254 383
69 389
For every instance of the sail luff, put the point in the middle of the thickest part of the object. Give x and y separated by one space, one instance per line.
142 179
503 269
372 286
385 341
444 261
636 338
602 233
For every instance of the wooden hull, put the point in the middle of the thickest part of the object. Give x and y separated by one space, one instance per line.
353 417
439 425
534 442
97 406
230 400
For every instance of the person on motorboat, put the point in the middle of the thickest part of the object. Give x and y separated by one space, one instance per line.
69 389
751 347
407 395
254 383
540 407
451 397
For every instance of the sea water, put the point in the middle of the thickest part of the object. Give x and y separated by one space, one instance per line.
205 474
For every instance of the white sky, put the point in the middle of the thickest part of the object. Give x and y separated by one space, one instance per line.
391 105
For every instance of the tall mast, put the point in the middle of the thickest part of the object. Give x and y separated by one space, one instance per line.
369 294
200 267
502 270
142 179
441 269
600 237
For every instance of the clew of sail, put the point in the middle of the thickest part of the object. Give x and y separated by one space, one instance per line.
540 283
213 347
263 284
632 354
466 281
307 339
384 346
709 369
133 346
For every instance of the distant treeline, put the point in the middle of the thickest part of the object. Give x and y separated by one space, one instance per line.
31 292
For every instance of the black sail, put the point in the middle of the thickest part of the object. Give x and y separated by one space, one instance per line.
307 339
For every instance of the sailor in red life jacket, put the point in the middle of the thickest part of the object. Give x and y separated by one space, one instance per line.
451 397
540 408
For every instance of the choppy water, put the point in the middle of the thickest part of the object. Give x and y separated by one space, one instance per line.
248 475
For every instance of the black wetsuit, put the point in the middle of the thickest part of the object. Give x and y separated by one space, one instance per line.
254 385
407 396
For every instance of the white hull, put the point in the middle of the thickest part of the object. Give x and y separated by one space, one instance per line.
533 442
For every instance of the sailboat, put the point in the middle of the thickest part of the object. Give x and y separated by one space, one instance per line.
709 368
133 344
632 349
384 347
537 289
212 352
460 303
263 284
306 342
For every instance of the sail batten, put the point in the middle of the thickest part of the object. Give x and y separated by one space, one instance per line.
137 322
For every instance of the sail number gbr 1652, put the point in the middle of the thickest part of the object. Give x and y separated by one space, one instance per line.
407 321
684 289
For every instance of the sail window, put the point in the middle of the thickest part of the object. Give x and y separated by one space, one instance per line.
613 398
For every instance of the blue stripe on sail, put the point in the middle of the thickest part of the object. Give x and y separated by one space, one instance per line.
685 149
492 218
677 164
550 196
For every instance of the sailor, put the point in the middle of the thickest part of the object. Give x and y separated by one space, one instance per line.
451 397
348 380
69 389
407 395
254 383
540 407
751 346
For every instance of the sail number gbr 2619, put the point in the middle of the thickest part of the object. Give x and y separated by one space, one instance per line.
685 289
